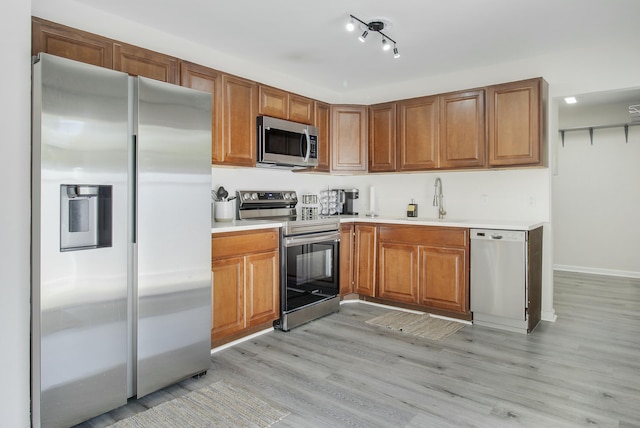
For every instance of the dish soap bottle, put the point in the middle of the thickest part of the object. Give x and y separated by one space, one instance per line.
412 210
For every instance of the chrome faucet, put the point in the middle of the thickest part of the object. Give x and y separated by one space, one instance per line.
438 198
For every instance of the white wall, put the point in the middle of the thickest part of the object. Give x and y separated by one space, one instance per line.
520 194
595 194
15 46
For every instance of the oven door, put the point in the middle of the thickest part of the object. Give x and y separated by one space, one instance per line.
310 269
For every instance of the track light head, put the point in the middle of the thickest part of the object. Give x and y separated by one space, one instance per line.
351 25
385 45
395 53
363 36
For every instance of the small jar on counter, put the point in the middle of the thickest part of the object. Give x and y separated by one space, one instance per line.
412 210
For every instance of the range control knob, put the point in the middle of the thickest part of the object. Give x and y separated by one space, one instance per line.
246 196
254 196
287 196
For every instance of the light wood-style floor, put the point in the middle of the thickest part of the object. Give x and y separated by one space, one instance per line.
582 370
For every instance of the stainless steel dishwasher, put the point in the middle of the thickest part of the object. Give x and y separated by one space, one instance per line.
498 279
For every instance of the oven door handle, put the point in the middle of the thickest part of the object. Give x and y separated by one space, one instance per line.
292 241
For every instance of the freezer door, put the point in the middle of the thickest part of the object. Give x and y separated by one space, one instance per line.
79 241
173 233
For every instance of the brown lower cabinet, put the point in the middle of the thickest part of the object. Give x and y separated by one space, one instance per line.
346 256
420 267
246 295
364 259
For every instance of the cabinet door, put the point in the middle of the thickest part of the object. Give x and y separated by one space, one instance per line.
142 62
462 130
300 109
364 260
239 111
273 102
323 123
208 80
443 278
346 259
515 123
398 272
418 134
228 297
262 288
382 137
56 39
349 138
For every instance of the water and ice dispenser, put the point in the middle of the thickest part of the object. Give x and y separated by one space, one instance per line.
86 217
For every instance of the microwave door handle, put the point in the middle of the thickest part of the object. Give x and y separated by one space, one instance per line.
306 135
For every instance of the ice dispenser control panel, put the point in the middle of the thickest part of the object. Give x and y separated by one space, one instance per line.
85 217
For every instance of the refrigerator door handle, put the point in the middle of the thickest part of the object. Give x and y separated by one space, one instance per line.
133 173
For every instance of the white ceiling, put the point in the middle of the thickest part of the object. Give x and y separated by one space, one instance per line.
308 39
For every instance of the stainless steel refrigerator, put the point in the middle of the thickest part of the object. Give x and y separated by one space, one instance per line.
121 243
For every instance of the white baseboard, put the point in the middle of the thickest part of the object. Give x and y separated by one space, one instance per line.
597 271
549 316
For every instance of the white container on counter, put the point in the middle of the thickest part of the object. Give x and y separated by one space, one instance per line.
224 210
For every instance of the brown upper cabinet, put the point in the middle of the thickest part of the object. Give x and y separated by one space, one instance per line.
56 39
462 129
208 80
517 123
284 105
142 62
92 49
273 102
322 112
498 126
348 138
300 109
445 131
382 137
418 134
239 112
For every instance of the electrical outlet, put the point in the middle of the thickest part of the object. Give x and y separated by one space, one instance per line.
532 200
484 200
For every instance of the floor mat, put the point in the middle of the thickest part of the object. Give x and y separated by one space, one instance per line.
421 325
217 405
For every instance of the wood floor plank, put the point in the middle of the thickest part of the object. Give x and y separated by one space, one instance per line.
582 370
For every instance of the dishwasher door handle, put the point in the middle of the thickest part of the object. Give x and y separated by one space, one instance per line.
496 236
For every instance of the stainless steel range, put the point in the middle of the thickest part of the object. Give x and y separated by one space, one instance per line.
309 255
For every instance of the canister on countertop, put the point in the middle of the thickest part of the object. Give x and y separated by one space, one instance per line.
412 210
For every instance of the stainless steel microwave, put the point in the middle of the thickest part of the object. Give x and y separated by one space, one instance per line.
286 144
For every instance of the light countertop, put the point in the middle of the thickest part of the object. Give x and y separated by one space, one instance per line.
448 222
240 225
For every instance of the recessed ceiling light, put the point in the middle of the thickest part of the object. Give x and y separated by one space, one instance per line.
570 100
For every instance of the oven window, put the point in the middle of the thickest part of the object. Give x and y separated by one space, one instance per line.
312 267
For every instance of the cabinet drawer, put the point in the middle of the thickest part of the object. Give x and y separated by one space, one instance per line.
242 243
424 235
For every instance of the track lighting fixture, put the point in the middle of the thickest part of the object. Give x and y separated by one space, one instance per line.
376 26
